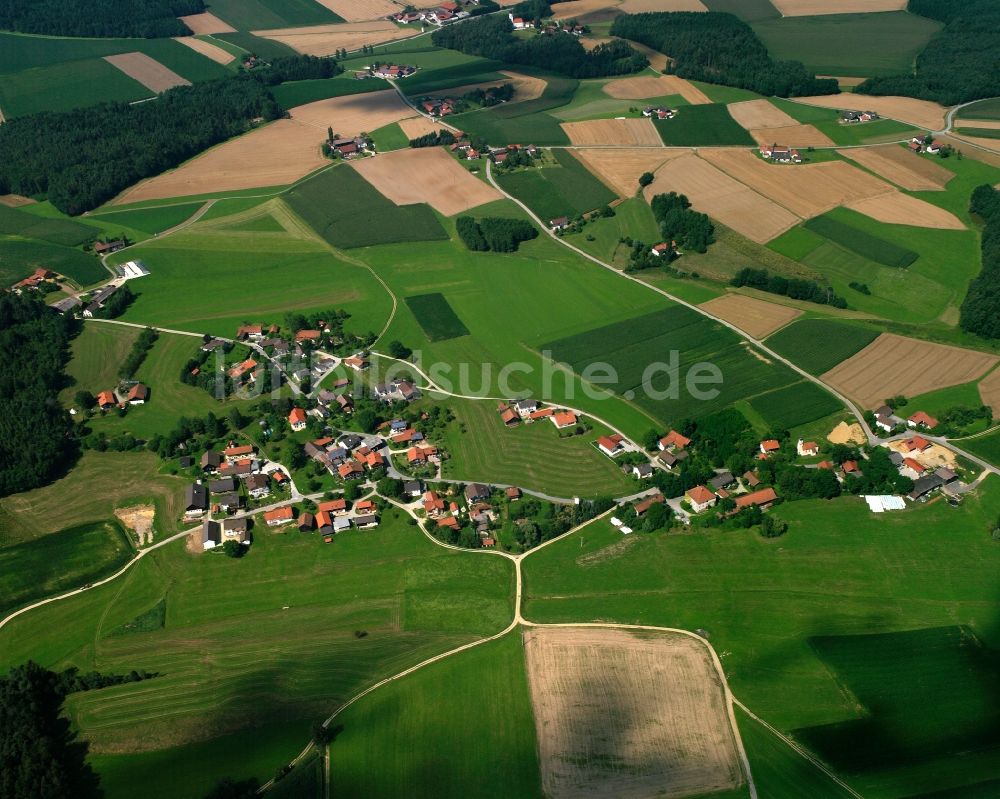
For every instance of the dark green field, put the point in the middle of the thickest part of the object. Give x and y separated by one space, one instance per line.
301 92
56 231
703 125
261 14
564 190
436 317
864 244
265 48
19 257
150 220
470 70
347 211
558 92
747 10
541 128
657 341
817 345
849 44
985 133
793 405
984 109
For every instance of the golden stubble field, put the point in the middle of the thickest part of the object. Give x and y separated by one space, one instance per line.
758 318
617 132
906 169
645 86
627 714
148 71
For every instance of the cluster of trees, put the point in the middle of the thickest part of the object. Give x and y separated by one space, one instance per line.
144 19
720 48
493 95
861 288
296 67
34 429
981 307
116 304
959 64
193 433
515 159
82 158
491 37
878 476
796 288
143 344
494 233
443 136
690 229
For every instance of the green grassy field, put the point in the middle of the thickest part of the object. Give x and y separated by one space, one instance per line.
475 703
61 561
390 137
839 571
248 15
247 276
702 125
849 44
794 405
436 317
149 220
347 211
300 92
633 219
639 344
540 128
747 10
304 600
817 345
56 231
530 456
559 91
566 189
985 133
20 257
265 48
858 241
95 356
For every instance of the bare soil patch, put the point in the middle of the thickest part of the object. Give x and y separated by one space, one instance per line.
149 72
893 365
624 715
15 200
989 391
792 135
426 175
353 11
804 189
619 132
845 433
139 519
902 167
206 23
325 39
758 318
648 86
278 153
620 169
760 114
207 49
808 8
921 113
934 457
722 197
902 209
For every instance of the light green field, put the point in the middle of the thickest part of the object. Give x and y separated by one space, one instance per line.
95 357
475 703
530 456
278 628
839 571
390 137
633 219
149 220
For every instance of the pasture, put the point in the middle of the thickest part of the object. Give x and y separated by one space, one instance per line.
347 211
475 702
563 189
983 109
247 15
303 92
864 244
941 575
436 317
530 456
794 405
633 219
20 257
411 598
702 125
817 345
65 232
149 220
95 355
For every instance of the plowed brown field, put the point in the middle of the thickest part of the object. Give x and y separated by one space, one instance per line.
808 8
792 135
921 113
207 49
326 39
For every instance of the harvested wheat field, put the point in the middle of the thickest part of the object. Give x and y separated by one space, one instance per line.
808 8
902 209
993 145
426 175
206 23
353 11
759 114
982 124
280 152
613 132
989 391
845 433
792 135
990 157
844 80
326 39
715 193
207 49
15 200
893 365
921 113
647 86
620 169
622 714
805 189
906 169
415 127
586 10
149 72
641 6
757 318
525 87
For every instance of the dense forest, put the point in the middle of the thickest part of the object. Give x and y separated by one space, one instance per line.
146 19
82 158
494 233
719 48
960 64
34 429
296 67
492 37
981 308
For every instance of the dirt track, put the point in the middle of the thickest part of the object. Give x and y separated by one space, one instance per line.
906 169
621 132
624 715
759 318
149 72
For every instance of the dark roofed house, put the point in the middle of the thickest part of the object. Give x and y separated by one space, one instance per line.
559 222
413 488
723 480
211 461
476 491
222 486
258 485
235 529
923 486
228 502
211 534
195 500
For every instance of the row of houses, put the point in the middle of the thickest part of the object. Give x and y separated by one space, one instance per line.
659 112
443 14
887 420
780 154
347 456
918 145
530 410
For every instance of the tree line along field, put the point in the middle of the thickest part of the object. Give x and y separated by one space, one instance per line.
566 189
411 597
940 579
